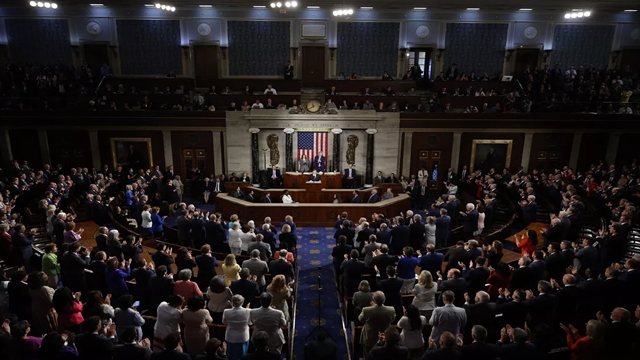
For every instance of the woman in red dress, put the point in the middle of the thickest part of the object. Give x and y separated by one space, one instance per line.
527 244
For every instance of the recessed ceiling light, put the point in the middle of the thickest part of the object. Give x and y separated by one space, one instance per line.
419 8
526 9
576 9
630 10
473 9
313 7
205 6
149 5
96 4
259 6
366 7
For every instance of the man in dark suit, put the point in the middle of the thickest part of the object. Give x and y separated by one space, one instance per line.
587 257
356 199
476 277
522 277
97 342
320 162
555 262
512 307
98 267
447 350
374 197
456 255
22 250
519 349
340 252
620 336
184 228
568 300
464 173
431 261
275 178
171 350
267 198
538 265
169 174
554 233
452 72
132 248
346 230
455 283
478 349
388 347
631 279
399 236
288 71
613 246
529 210
281 266
250 197
320 349
417 233
451 176
245 287
452 208
482 313
162 256
363 235
382 260
215 234
72 265
542 307
384 234
391 287
349 176
613 289
352 270
207 265
470 221
314 176
132 350
443 222
340 220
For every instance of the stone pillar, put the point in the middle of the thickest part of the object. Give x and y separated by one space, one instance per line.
168 152
406 139
95 150
290 165
455 151
44 146
5 148
337 135
526 151
575 150
217 153
255 155
612 148
368 180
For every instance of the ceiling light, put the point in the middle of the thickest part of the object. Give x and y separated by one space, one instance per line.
158 6
33 3
278 4
273 5
54 5
149 5
287 4
294 4
419 8
47 5
630 10
366 7
526 9
313 7
574 15
587 13
580 14
343 12
163 7
173 9
567 16
259 6
473 9
96 4
205 6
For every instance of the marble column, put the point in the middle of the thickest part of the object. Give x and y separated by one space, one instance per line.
612 148
255 155
526 151
217 153
370 145
407 139
44 146
455 151
288 149
168 151
5 148
95 149
337 134
575 150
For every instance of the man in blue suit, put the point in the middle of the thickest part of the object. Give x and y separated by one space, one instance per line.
314 176
348 179
170 351
431 261
320 162
443 223
470 221
356 199
22 249
374 197
529 210
267 198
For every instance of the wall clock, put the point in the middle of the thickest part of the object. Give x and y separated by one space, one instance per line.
313 106
530 32
422 31
204 29
93 28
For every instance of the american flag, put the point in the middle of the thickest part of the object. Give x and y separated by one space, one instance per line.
310 143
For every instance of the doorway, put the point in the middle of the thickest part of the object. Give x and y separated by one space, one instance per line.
525 58
630 57
313 66
205 64
430 160
420 57
192 159
95 55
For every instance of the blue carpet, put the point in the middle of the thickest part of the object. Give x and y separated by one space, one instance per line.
314 250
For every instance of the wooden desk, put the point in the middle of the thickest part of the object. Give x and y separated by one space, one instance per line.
295 180
533 226
312 214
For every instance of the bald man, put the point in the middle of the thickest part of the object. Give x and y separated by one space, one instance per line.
620 335
569 301
481 313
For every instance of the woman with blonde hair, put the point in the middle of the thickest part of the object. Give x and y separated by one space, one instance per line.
281 292
231 269
70 235
362 298
232 220
51 215
235 239
425 294
430 230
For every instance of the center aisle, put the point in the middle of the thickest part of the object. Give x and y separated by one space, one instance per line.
314 250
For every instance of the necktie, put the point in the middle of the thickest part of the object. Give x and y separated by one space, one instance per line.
217 187
423 190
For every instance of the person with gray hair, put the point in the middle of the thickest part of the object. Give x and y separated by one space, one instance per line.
520 347
263 248
185 287
281 266
114 246
257 267
447 318
376 318
246 286
470 221
237 334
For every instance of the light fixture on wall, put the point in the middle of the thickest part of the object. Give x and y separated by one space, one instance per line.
165 7
343 12
286 4
46 5
577 14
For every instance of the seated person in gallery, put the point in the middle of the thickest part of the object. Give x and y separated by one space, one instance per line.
331 105
304 165
286 198
387 195
348 179
270 90
267 198
275 177
320 162
238 194
356 199
314 177
250 197
245 178
374 197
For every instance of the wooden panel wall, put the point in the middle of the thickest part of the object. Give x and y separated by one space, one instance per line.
592 148
192 140
559 143
426 141
71 148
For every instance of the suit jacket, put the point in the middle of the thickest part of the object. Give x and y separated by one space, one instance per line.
568 302
556 266
247 288
471 222
356 199
376 319
352 271
338 253
22 249
346 174
382 261
314 178
522 278
271 321
320 350
541 309
131 352
383 352
442 354
529 212
432 262
101 241
399 239
554 234
257 267
281 266
94 346
513 313
480 314
442 229
417 235
320 163
373 199
363 236
455 255
391 288
447 318
98 280
479 351
72 266
265 249
538 268
525 351
184 228
169 355
384 237
249 198
476 278
458 286
587 257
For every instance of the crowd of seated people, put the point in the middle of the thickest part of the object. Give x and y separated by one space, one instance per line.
92 299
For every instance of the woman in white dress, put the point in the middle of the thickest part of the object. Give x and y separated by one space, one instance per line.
235 241
481 216
286 198
168 320
304 165
430 230
247 237
425 294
